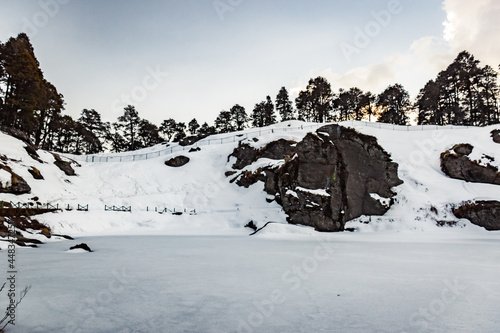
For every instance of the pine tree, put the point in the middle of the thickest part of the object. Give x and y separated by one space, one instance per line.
129 123
321 95
193 126
148 134
118 142
284 105
168 128
205 129
50 105
304 105
93 131
224 122
238 117
180 132
395 101
24 83
258 115
269 115
428 105
489 93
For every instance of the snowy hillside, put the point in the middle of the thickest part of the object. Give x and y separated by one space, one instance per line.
399 273
212 205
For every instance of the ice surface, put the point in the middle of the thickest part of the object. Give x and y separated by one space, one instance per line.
280 281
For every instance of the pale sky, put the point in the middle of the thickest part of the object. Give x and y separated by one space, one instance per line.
193 58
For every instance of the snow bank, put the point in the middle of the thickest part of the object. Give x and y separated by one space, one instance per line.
149 186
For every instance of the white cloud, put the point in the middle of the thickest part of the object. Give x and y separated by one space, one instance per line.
474 26
470 25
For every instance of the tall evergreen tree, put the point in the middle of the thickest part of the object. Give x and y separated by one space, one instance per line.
305 106
258 114
488 96
193 126
50 105
395 101
284 105
168 128
322 98
428 105
224 122
93 130
148 134
24 83
205 129
130 122
269 115
180 132
239 117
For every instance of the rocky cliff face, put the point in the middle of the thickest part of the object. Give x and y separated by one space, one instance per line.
327 179
456 164
482 213
16 184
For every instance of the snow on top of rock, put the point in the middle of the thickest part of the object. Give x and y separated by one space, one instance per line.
5 178
319 192
384 201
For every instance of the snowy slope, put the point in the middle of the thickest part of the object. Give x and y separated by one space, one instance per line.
223 208
285 279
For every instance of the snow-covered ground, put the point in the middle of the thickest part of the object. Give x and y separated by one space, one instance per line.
201 272
351 282
223 208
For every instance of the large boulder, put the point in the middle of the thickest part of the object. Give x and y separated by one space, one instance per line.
327 179
177 161
456 164
482 213
64 166
16 185
495 134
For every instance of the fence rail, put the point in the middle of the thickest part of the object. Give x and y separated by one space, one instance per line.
118 209
217 139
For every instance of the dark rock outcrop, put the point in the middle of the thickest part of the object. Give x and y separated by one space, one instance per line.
82 246
327 179
35 173
189 140
18 134
177 161
17 185
65 166
482 213
495 134
31 150
456 164
23 223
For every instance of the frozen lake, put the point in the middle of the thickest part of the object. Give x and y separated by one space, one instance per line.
336 283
